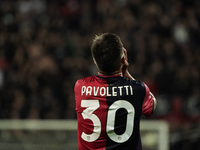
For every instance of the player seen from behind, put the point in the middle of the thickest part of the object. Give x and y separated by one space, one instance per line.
109 105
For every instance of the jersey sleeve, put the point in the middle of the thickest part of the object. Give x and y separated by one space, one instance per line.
148 103
76 92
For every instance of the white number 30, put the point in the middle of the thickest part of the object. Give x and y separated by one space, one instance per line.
92 105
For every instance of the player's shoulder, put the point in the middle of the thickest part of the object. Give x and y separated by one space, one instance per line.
136 82
137 85
85 80
142 85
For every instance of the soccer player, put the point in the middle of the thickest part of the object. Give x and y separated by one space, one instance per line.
109 105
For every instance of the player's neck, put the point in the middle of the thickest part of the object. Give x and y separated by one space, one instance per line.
110 73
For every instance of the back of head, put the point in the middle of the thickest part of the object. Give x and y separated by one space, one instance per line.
107 51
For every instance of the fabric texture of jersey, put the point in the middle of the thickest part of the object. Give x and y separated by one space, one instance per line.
109 109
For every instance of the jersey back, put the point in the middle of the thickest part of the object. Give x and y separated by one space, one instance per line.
109 111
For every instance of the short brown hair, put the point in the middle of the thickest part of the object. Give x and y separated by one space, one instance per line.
107 51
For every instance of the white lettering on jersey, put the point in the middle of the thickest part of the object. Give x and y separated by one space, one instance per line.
107 91
102 89
108 94
114 93
96 91
83 90
89 90
126 89
120 90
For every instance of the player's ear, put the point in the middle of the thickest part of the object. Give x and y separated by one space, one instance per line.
124 61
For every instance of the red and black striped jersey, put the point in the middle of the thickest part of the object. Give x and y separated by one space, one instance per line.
109 109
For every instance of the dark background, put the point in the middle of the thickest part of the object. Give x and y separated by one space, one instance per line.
45 48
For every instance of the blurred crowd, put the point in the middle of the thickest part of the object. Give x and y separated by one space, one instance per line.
45 48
